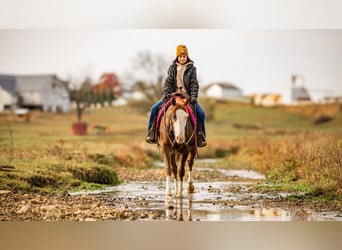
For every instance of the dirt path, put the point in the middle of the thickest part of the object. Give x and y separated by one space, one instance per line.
228 196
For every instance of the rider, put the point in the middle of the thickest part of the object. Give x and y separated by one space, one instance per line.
181 77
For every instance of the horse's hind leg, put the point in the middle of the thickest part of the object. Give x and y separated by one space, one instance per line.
168 171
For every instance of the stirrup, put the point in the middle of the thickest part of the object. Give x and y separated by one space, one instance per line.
202 144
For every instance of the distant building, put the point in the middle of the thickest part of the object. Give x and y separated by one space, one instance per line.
267 100
221 90
5 99
296 93
34 91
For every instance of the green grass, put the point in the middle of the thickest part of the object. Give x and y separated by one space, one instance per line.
48 158
226 115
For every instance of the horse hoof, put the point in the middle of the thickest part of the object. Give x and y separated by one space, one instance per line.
191 188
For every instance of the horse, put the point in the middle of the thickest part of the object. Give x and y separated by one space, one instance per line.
177 140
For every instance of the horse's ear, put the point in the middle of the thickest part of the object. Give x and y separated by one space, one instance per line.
173 101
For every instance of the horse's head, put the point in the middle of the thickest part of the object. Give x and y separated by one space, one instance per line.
178 117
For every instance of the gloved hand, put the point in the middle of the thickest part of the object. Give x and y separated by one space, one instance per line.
193 101
166 98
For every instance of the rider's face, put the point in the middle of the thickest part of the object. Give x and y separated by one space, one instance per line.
182 59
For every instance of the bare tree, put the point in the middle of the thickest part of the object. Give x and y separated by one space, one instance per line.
80 92
149 73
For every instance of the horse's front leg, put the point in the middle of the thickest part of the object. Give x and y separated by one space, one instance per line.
179 189
174 172
168 169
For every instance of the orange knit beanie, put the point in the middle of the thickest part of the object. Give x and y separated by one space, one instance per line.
181 50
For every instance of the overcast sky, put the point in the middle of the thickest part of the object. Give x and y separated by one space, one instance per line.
257 61
256 45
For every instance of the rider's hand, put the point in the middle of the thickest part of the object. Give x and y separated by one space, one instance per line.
166 98
193 100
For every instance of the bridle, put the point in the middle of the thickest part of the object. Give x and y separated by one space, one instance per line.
173 141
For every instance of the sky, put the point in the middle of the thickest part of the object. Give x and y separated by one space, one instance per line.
256 47
257 61
250 14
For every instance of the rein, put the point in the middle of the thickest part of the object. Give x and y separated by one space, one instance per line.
166 132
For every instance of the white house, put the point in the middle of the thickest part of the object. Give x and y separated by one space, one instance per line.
221 90
36 91
5 99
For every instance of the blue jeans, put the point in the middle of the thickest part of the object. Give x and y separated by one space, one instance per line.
154 112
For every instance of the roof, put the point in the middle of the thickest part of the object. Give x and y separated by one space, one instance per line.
224 85
23 83
7 82
33 82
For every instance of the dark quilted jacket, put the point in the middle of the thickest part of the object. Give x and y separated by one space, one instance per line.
190 81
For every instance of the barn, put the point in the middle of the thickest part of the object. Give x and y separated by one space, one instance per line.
46 92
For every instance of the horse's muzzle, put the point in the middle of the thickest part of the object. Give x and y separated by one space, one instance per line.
180 139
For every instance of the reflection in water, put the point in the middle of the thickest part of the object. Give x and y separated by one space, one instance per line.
177 211
285 215
214 201
273 212
188 209
242 173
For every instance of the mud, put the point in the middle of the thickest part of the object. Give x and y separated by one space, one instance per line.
216 201
220 195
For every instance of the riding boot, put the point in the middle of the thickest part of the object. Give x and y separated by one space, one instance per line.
152 135
201 140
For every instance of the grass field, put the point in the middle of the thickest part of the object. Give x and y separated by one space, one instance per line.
283 143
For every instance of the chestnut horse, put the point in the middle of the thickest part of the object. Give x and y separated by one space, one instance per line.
177 140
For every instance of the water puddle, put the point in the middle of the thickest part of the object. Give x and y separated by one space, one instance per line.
247 174
214 201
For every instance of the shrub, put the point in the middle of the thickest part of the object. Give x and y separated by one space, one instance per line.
224 152
107 160
96 174
40 181
323 119
314 160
